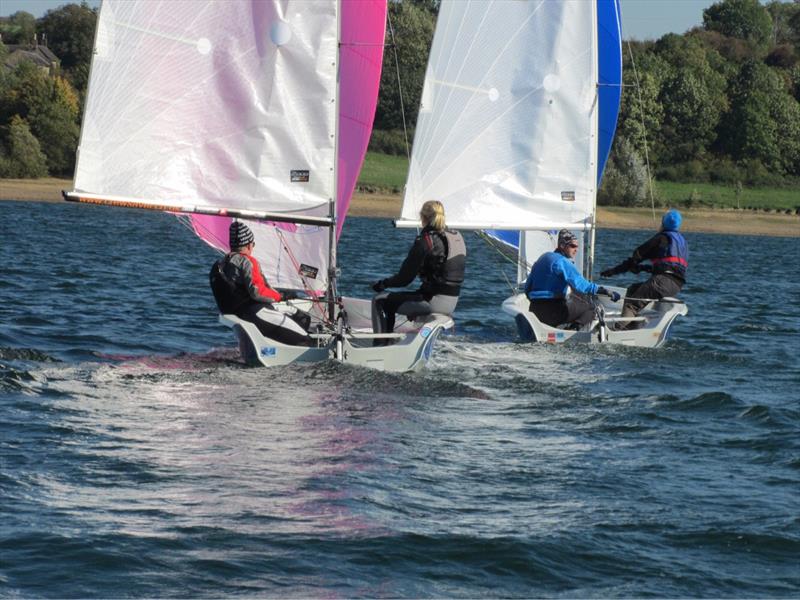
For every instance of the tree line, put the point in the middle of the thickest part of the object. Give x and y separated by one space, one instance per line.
719 103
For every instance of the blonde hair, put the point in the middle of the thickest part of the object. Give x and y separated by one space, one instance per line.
432 213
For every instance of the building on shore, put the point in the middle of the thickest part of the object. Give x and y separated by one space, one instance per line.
37 53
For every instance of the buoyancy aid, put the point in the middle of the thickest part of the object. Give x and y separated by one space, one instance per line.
445 263
229 296
674 258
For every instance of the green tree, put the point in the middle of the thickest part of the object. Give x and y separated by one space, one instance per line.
19 28
748 130
21 89
641 113
53 123
692 96
690 118
625 181
70 33
785 112
743 19
49 107
785 22
413 24
794 76
21 156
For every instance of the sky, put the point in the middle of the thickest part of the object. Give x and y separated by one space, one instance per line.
641 19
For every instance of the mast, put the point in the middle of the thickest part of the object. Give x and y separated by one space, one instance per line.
333 200
589 259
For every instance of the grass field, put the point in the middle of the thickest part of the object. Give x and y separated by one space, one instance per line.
698 195
382 172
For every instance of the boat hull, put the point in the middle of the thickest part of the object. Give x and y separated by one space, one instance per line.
408 350
658 317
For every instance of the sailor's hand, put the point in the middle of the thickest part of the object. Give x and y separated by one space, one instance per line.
607 273
378 286
601 291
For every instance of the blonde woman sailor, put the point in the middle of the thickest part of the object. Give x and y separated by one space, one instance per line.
438 258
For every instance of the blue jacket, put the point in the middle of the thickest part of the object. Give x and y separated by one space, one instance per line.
552 274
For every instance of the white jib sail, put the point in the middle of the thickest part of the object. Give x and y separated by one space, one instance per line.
226 104
506 135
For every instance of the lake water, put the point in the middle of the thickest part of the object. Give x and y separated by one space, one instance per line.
140 458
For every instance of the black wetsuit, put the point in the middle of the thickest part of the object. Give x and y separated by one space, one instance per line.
439 258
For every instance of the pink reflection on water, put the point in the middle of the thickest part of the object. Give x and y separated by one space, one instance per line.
181 362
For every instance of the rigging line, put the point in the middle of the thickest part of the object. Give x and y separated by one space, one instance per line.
644 133
184 220
496 247
309 291
399 84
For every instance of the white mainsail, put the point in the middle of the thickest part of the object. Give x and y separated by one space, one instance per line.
220 105
190 103
506 132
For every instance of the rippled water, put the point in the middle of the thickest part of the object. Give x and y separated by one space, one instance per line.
139 457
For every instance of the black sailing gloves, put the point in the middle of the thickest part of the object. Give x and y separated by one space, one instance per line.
601 291
620 268
628 265
378 286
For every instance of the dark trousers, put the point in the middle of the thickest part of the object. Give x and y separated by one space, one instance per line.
658 286
275 332
413 304
575 309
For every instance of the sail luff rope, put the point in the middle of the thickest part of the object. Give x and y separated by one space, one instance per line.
644 132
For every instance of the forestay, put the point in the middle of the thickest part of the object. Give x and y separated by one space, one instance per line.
506 135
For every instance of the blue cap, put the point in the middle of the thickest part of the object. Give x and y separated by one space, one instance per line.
671 221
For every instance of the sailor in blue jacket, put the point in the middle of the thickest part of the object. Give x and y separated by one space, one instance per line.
552 275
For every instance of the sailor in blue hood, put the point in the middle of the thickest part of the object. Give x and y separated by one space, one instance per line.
668 254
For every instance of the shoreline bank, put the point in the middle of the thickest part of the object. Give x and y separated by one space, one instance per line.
387 206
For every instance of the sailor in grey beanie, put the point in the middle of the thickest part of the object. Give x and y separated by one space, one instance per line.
239 235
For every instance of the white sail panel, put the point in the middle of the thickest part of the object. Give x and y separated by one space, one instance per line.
224 104
506 134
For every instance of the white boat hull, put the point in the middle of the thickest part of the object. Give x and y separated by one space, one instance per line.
408 350
658 317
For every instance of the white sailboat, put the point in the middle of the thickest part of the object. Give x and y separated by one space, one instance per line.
248 109
517 116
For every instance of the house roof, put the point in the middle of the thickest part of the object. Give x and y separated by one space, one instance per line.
39 55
